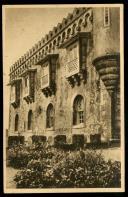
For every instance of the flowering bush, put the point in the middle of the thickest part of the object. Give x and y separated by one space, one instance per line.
54 168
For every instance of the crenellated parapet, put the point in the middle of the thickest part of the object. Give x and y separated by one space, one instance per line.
79 21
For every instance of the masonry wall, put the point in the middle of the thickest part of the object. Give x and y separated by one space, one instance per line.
106 38
96 103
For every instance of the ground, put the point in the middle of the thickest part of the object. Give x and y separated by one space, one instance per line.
110 153
10 173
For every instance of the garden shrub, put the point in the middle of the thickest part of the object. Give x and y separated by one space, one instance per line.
78 140
56 168
17 156
38 139
59 140
15 140
95 139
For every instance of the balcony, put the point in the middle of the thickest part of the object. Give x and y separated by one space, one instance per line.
48 76
27 96
74 74
72 67
29 85
44 81
15 103
15 92
77 47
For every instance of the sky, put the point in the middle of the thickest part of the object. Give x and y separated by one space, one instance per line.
22 29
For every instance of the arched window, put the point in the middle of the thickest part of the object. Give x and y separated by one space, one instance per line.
30 117
50 116
78 110
16 122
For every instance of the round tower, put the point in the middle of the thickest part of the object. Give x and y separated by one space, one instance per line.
106 40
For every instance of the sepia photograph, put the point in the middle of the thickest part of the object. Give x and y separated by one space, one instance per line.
63 90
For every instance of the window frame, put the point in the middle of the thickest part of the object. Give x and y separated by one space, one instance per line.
26 85
78 114
106 15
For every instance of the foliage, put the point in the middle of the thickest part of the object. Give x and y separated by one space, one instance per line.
48 167
15 140
38 138
20 155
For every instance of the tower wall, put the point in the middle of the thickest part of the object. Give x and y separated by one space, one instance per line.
106 38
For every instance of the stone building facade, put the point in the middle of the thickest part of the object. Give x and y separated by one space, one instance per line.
68 84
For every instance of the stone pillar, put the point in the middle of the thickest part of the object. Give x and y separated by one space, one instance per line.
115 113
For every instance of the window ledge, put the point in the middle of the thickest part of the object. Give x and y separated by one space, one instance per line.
29 131
16 132
81 125
49 129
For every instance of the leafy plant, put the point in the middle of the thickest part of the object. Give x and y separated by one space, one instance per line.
55 168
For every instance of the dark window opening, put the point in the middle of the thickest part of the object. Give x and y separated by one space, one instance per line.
16 122
30 117
50 116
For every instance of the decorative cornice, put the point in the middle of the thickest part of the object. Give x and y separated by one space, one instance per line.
47 58
74 38
14 81
28 71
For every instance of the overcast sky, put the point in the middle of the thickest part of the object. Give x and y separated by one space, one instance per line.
23 28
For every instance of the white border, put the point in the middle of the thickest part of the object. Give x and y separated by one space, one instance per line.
77 190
